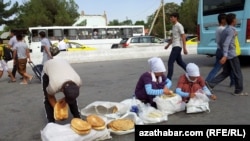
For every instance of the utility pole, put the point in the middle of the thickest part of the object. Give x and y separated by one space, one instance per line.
156 15
164 21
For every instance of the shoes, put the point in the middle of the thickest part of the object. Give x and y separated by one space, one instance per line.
241 94
208 86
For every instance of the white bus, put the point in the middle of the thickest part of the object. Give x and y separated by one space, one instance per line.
100 37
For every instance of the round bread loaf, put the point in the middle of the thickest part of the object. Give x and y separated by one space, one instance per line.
95 121
61 111
121 124
80 126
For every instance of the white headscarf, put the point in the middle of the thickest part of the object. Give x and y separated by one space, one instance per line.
193 70
156 65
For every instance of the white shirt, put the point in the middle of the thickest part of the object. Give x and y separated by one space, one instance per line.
59 72
218 35
62 45
177 31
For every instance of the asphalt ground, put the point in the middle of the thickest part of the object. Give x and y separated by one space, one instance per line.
22 110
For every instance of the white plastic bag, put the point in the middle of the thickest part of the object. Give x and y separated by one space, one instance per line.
57 132
149 114
170 105
105 109
199 103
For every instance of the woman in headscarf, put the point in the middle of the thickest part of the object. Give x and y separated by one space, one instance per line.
190 82
153 83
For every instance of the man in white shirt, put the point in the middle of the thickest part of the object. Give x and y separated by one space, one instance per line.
59 76
62 45
11 44
178 42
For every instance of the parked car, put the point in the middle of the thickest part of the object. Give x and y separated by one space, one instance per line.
139 41
73 46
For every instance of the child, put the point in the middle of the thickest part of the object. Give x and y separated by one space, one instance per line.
153 82
191 82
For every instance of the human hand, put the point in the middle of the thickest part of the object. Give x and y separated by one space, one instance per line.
166 47
185 51
223 60
166 91
213 97
62 102
192 95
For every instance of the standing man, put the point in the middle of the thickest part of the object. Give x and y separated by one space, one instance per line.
62 45
45 47
219 53
230 61
11 44
59 76
178 42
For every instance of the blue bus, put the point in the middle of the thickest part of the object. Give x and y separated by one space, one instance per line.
207 24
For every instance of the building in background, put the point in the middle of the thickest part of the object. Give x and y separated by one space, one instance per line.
91 20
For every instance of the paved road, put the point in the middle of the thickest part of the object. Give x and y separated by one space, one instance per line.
22 113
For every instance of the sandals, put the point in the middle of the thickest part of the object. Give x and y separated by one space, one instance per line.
22 83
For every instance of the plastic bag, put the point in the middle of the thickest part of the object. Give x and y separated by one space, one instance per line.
106 109
149 114
199 103
170 105
57 132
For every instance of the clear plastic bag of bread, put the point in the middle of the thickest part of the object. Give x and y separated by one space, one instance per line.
61 110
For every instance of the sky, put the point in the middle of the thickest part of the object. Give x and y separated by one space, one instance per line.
121 10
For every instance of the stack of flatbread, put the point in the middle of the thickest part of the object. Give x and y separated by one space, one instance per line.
80 126
61 111
96 122
121 125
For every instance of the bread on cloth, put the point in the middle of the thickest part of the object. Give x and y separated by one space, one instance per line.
80 126
96 122
61 111
121 124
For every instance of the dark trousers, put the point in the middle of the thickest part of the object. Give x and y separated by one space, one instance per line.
49 109
14 69
175 55
231 66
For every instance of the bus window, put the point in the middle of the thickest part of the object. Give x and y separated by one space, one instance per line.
112 33
84 34
102 33
222 6
35 35
55 34
70 34
126 32
137 31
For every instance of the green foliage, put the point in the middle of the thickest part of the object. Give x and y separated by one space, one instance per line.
188 15
46 13
6 13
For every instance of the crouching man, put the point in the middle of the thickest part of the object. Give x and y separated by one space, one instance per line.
58 76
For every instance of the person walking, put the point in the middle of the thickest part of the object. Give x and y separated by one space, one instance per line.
178 42
230 61
59 76
11 44
219 53
45 47
22 53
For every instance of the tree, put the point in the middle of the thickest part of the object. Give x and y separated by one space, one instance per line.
158 26
188 15
5 15
114 22
47 13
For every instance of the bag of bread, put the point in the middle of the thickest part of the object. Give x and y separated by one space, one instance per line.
61 110
170 104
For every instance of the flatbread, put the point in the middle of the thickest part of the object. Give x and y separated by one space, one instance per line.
80 125
61 112
80 132
121 125
95 121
